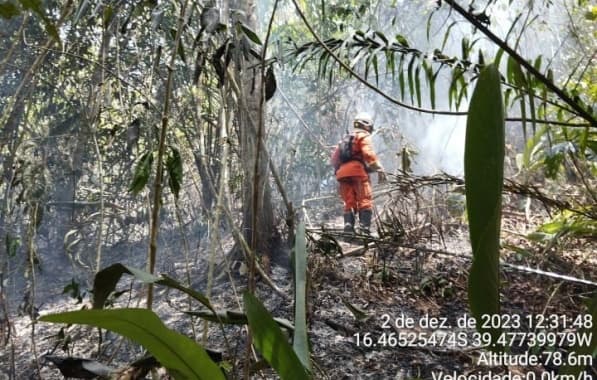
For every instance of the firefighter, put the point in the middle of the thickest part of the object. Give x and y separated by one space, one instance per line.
354 159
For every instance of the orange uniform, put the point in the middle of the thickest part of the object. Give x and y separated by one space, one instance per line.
353 175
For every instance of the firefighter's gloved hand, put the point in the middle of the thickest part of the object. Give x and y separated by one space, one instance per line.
381 177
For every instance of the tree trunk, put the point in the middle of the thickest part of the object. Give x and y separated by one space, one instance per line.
258 215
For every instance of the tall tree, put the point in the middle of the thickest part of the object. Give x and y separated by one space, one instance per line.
258 216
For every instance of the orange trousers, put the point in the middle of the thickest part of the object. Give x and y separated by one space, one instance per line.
356 193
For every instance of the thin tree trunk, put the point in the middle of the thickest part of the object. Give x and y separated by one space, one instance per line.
258 216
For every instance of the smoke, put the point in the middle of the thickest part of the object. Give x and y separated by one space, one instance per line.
440 145
435 141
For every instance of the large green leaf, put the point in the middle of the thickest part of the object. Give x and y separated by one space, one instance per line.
301 341
483 169
271 342
142 172
105 281
181 356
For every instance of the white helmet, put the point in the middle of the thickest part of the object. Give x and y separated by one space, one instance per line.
364 121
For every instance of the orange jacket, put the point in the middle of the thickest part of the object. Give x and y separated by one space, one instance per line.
363 154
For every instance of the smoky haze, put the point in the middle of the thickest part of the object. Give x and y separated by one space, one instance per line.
437 140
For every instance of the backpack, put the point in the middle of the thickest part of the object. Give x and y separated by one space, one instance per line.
345 148
345 152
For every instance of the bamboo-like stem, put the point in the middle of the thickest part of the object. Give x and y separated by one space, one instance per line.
31 259
157 187
100 228
220 199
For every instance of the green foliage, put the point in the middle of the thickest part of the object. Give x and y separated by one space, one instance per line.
301 341
181 356
366 51
9 10
174 168
142 173
555 151
250 33
271 342
569 223
105 282
483 169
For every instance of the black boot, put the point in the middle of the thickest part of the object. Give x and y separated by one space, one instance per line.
349 222
365 221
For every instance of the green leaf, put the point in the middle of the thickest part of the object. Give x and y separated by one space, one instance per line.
591 14
271 342
410 78
515 74
105 282
484 175
250 33
402 84
523 113
447 34
553 227
531 147
9 10
181 356
300 340
498 57
142 172
376 70
540 237
401 40
431 82
107 15
466 48
418 85
174 167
